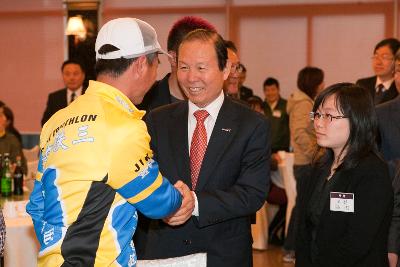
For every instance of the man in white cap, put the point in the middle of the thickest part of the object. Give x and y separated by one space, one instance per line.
96 168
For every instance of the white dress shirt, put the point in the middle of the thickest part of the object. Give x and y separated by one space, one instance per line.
386 85
77 92
213 110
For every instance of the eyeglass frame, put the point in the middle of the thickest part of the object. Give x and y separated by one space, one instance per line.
382 57
236 68
325 117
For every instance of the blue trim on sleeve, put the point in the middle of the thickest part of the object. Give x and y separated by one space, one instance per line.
165 200
141 182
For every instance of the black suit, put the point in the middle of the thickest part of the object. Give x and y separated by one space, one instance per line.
357 239
389 128
370 83
233 183
56 101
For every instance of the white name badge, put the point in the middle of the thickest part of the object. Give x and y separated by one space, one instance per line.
343 202
277 113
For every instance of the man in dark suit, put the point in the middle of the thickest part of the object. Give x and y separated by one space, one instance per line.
73 75
219 148
275 110
167 90
389 128
381 86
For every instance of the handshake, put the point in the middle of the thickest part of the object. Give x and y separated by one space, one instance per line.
185 211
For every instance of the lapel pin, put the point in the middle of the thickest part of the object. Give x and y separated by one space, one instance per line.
226 130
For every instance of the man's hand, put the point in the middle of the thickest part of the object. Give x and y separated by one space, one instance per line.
392 259
186 209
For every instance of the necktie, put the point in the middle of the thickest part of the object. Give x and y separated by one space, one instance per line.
379 94
198 146
73 95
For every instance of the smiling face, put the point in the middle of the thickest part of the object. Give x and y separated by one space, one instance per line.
231 85
271 93
331 134
198 72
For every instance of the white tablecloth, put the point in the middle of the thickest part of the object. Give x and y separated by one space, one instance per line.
21 247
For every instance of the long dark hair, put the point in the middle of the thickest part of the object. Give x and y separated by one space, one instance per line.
357 105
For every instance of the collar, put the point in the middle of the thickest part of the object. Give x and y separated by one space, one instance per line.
115 96
77 92
386 84
212 108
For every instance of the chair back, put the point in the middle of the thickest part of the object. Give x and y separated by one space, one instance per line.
31 175
31 154
286 170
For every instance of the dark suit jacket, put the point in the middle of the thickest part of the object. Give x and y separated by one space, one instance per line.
347 239
157 96
56 101
369 84
233 183
280 132
389 129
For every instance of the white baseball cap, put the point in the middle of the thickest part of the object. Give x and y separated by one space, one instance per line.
133 37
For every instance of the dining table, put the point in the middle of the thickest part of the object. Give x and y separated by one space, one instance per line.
21 246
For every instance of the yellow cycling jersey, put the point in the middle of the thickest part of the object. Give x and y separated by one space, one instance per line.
95 171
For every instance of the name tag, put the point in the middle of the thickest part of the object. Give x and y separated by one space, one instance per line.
277 113
343 202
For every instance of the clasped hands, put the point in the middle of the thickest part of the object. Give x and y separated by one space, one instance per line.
187 207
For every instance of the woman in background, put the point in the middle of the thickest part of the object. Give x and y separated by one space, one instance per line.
310 82
346 206
8 142
10 122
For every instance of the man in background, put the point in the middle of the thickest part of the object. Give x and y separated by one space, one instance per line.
96 168
167 90
381 86
244 91
275 110
389 128
231 84
218 147
73 75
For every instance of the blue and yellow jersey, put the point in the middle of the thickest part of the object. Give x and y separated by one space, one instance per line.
95 171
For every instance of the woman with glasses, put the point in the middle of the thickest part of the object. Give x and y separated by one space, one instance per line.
346 207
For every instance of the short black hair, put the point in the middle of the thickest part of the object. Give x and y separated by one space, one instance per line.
116 67
356 104
230 45
73 61
392 43
308 80
271 81
215 38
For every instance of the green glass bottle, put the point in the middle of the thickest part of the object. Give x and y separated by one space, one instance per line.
6 181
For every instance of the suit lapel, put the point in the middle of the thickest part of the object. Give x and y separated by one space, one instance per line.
179 142
224 131
65 99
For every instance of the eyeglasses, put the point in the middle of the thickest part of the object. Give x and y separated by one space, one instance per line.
326 117
237 67
383 57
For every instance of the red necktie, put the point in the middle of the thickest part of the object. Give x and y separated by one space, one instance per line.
198 146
